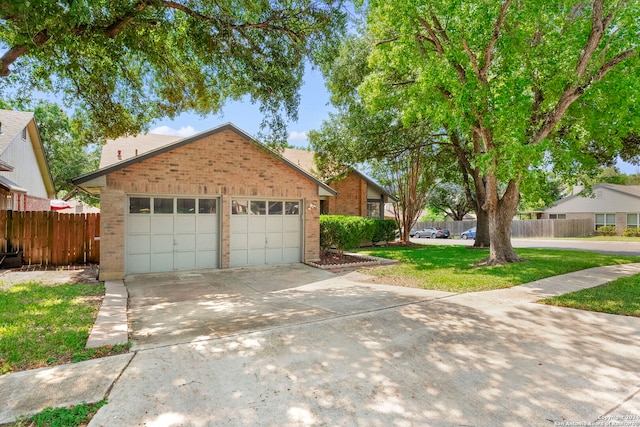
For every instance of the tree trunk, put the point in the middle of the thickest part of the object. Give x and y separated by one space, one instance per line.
482 228
501 211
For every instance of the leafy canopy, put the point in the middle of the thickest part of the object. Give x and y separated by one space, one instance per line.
124 63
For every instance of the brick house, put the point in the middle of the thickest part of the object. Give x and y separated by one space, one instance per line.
357 194
611 205
218 199
25 180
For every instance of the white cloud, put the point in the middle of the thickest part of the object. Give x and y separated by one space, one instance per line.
298 136
183 131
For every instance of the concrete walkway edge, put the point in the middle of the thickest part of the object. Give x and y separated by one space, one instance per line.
111 325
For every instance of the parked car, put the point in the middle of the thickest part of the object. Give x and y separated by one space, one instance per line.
468 234
433 233
412 233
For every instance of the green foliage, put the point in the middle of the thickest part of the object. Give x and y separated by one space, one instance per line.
44 325
621 296
124 63
432 215
631 232
450 200
347 232
384 230
606 230
78 415
453 268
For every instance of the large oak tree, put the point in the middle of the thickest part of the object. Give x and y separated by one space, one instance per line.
124 63
519 86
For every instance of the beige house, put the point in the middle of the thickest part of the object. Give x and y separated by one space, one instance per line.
217 199
611 204
25 179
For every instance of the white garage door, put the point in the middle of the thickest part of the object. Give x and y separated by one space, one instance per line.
171 233
265 232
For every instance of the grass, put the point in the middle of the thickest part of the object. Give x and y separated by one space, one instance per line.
78 415
622 296
43 325
453 268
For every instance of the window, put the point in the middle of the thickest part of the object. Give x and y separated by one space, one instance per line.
207 206
292 208
140 205
258 207
557 216
186 206
374 208
240 207
24 134
275 208
162 206
605 219
633 220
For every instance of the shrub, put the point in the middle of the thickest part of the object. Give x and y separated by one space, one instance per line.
606 230
347 232
385 230
631 232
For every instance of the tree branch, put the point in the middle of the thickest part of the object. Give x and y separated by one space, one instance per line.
488 51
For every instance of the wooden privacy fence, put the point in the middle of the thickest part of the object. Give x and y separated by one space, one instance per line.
534 228
51 238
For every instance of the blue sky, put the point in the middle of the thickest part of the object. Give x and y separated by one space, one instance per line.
314 108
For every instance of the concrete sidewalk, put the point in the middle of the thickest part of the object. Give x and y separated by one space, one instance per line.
407 357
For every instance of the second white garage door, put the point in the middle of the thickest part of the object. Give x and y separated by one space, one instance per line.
265 232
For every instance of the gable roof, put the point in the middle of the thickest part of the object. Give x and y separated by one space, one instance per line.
12 123
131 150
628 190
304 159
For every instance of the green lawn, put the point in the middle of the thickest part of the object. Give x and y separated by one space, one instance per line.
453 269
42 325
622 296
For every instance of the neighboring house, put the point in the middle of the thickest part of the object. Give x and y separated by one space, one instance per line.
25 179
358 195
217 199
611 204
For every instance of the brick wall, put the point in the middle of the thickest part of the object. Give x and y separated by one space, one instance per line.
224 165
351 198
36 204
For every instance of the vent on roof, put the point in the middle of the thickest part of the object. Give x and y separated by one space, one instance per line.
599 194
119 154
24 134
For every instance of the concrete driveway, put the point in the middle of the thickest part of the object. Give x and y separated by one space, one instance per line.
296 346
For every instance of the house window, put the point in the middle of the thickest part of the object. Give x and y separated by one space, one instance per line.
324 207
557 216
605 219
633 220
374 209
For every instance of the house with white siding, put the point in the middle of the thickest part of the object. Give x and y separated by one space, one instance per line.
610 204
25 180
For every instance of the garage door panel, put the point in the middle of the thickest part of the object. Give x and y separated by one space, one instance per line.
256 256
184 224
257 224
290 255
161 243
162 262
139 224
291 223
207 224
274 240
139 263
162 224
256 240
291 240
274 256
184 261
206 242
206 259
184 242
139 244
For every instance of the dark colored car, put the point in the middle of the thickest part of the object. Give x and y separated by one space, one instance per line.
468 234
433 233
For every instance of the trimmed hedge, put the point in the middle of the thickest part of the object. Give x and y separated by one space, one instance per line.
631 232
347 232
